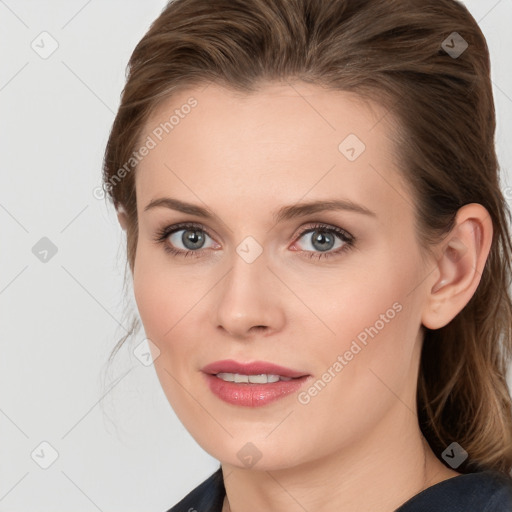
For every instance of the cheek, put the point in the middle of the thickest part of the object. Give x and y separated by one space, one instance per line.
373 351
151 302
164 302
159 301
168 303
374 318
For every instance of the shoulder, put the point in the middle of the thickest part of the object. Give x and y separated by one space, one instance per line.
206 497
486 491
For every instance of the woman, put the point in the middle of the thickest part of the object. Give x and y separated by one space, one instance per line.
320 250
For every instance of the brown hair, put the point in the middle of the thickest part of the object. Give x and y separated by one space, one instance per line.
386 50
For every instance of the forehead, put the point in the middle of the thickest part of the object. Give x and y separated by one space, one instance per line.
282 111
285 140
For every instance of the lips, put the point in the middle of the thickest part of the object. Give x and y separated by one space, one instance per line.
245 393
254 368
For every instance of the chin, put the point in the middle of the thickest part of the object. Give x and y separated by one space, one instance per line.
253 455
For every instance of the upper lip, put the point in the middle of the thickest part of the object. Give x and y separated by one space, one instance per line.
253 368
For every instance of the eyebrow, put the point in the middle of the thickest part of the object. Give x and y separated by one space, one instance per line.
284 213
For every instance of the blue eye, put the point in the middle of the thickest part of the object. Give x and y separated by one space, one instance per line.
324 240
193 237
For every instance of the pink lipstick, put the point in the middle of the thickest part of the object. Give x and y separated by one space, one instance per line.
252 384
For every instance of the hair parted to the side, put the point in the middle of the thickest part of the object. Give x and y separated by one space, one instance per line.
389 51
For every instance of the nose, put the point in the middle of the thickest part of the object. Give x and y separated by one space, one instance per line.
250 300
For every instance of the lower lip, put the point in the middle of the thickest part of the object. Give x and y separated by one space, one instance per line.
253 395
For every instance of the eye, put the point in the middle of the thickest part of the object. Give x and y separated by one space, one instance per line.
323 239
190 239
184 239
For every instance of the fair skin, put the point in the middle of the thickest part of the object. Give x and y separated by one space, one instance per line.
355 446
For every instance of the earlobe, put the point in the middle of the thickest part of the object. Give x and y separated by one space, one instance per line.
459 267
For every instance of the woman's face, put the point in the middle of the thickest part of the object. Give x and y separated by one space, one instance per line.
334 294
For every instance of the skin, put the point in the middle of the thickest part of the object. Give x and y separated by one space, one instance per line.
356 446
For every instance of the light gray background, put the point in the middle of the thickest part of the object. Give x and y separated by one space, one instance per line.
120 446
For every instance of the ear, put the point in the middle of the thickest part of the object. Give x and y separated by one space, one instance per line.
122 216
459 267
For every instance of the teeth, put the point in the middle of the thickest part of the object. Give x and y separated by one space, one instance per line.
253 379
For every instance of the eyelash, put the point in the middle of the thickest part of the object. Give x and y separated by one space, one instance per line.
162 235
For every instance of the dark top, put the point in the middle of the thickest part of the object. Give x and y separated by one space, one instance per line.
486 491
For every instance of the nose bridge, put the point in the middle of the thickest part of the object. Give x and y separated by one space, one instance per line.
247 295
